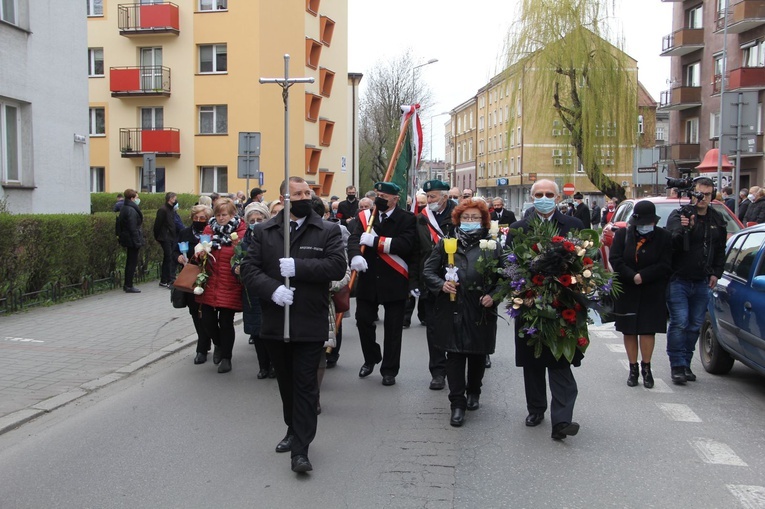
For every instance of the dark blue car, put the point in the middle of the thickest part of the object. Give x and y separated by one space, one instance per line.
735 325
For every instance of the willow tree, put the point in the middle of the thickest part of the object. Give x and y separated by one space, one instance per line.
574 76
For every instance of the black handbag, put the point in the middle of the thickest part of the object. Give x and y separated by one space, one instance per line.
178 298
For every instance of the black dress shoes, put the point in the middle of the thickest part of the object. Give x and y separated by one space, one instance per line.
678 375
286 444
272 373
300 464
487 362
690 375
217 355
131 289
534 419
263 373
331 363
201 358
472 402
366 370
224 366
389 380
438 383
458 417
564 429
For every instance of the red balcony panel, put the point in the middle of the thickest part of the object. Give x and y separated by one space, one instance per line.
161 141
159 16
747 77
121 80
150 19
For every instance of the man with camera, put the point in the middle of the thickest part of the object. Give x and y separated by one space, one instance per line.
698 234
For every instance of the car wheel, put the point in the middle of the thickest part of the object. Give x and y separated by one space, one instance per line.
713 357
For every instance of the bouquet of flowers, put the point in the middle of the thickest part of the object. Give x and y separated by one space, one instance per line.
202 252
549 282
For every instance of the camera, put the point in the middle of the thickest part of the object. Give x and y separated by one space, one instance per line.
684 187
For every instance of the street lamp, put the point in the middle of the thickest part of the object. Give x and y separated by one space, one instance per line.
430 164
431 61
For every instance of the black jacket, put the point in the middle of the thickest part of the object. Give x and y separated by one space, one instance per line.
317 248
506 217
130 221
380 281
582 213
700 261
425 243
742 208
756 212
347 210
164 224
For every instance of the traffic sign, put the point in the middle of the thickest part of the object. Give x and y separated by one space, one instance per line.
569 189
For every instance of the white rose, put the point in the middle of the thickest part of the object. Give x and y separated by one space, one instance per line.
198 248
491 245
580 252
198 290
587 273
234 236
483 243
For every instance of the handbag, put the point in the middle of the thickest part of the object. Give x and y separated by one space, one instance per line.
178 298
342 299
187 277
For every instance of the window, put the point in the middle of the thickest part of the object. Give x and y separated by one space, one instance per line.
95 62
472 125
714 125
692 130
8 11
213 5
694 17
95 7
96 179
213 119
151 68
693 75
97 122
759 118
152 118
753 54
748 253
213 58
512 138
10 142
214 179
470 150
718 64
660 133
152 181
480 123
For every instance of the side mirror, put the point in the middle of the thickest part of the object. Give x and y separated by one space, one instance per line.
758 283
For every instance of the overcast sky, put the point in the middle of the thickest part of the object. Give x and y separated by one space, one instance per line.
467 39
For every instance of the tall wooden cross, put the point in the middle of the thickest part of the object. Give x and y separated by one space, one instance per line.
286 83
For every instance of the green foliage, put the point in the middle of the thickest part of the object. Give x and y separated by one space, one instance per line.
104 202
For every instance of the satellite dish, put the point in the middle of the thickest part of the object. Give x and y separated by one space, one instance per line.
625 183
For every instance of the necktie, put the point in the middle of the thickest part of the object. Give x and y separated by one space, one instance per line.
293 226
383 217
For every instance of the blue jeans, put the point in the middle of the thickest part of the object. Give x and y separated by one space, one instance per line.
687 304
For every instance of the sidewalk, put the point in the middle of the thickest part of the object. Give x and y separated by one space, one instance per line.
50 356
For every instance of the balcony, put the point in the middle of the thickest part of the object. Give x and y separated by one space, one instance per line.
680 152
148 19
682 42
743 16
751 146
680 98
147 81
746 78
136 142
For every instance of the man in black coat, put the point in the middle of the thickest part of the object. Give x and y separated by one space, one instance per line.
562 383
390 251
348 208
594 214
316 258
500 213
581 211
433 224
164 233
130 236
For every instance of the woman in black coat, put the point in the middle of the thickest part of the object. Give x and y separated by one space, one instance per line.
130 236
200 215
466 327
641 255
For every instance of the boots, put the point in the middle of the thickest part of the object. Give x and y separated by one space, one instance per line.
632 380
645 370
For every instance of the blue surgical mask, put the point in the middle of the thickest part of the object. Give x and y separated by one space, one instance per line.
251 226
176 206
468 227
643 229
455 201
544 205
137 201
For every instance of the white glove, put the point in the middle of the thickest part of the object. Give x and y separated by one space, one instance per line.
415 292
359 264
368 239
283 296
331 342
287 267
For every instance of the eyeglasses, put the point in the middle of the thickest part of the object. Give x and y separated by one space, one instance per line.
548 194
470 218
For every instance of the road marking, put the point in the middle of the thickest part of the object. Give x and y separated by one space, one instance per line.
616 348
661 386
750 497
22 340
678 412
605 334
718 453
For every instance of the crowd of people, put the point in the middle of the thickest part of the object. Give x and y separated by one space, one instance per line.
430 256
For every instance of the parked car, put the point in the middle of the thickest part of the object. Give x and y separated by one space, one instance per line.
734 329
664 206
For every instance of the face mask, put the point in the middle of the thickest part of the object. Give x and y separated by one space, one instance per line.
251 226
137 201
176 206
198 225
544 205
469 227
643 229
750 197
381 204
351 197
300 208
434 206
455 201
498 210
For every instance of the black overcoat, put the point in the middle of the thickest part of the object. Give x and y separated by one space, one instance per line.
647 300
130 221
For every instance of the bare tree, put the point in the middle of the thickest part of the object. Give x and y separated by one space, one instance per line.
389 85
578 78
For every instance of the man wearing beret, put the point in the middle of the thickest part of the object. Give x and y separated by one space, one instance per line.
434 222
383 267
581 211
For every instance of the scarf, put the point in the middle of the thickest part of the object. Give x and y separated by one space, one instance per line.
470 238
222 233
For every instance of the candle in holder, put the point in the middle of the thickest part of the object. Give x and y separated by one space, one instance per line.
450 246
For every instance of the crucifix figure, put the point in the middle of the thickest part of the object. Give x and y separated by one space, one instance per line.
286 83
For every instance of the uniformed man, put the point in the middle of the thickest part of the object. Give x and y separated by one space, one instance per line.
383 267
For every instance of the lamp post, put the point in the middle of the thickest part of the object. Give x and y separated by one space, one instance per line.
431 61
430 164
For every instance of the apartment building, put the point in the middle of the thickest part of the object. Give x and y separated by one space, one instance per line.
43 105
172 86
696 46
463 142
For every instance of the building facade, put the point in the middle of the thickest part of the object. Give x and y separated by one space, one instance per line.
696 46
179 83
43 105
463 142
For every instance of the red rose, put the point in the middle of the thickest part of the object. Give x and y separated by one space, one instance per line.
582 341
556 303
558 239
529 294
568 246
562 332
535 248
565 280
538 279
569 315
587 261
